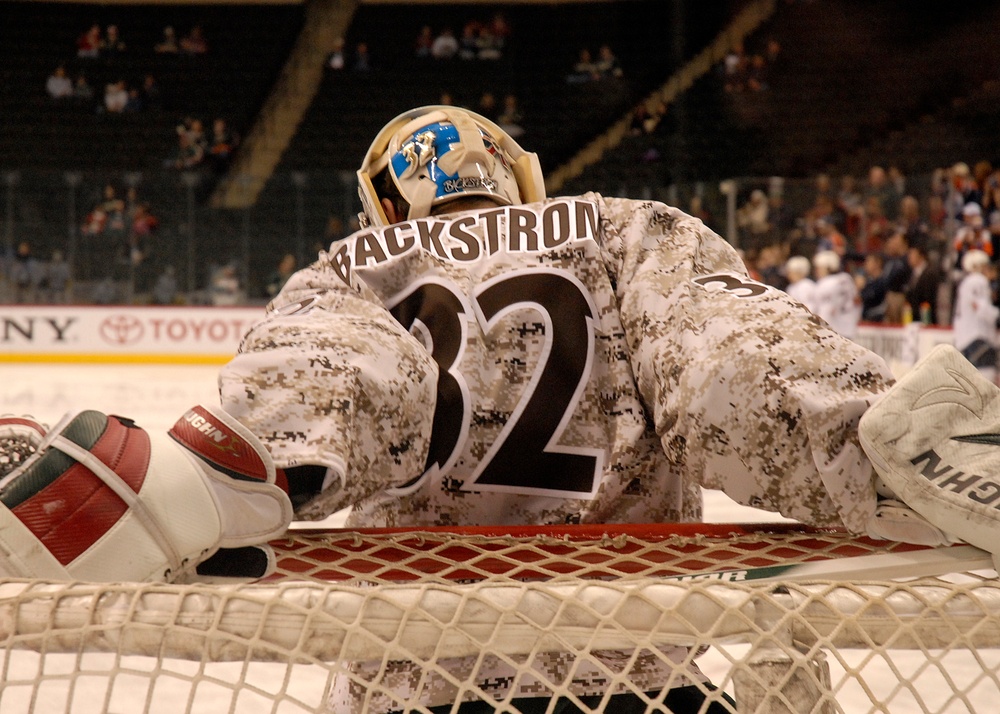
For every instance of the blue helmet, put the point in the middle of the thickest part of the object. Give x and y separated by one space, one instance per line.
435 154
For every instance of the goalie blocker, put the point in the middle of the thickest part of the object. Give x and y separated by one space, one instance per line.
103 499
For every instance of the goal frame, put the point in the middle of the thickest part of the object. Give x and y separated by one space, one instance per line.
342 596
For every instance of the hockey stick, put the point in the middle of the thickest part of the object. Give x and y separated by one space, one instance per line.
931 562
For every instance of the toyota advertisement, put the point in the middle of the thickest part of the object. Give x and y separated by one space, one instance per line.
122 334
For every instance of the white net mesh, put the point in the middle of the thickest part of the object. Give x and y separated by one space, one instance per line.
542 604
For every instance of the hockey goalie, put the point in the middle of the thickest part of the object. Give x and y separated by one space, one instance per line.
479 354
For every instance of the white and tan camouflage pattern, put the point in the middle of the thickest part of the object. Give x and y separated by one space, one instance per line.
668 369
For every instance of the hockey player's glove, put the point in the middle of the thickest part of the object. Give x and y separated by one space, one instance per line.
102 499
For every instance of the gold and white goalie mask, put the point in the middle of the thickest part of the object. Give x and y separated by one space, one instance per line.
436 154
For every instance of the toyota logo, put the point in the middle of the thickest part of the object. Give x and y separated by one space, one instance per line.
121 330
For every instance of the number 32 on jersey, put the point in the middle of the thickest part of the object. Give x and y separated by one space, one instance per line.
526 457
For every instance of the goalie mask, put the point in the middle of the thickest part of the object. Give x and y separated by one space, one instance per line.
436 154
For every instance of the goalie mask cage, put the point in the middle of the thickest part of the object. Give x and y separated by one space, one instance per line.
348 611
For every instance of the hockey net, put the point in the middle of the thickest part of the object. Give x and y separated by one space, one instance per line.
526 598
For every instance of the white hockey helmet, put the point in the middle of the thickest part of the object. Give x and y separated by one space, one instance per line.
827 261
975 260
435 154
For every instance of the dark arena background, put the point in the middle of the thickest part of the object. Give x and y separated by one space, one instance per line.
710 102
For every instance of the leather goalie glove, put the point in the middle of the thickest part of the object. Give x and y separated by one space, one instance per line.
102 499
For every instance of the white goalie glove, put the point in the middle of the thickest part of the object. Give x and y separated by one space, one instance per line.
102 499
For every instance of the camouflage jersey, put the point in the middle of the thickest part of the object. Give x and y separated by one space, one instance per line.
578 360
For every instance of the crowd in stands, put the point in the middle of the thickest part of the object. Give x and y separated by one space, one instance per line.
590 68
200 149
914 253
478 39
104 51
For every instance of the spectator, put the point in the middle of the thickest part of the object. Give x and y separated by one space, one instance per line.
752 217
83 93
152 94
607 63
875 227
114 45
115 97
500 29
337 60
991 194
975 323
276 280
757 79
55 287
937 219
113 208
445 45
895 276
59 86
800 285
872 287
644 121
165 288
829 237
956 188
511 118
225 286
362 58
781 217
897 180
194 42
189 155
487 105
836 296
168 44
584 69
468 41
489 47
823 208
910 221
981 171
923 287
734 69
25 274
696 208
221 144
196 130
994 228
134 104
88 45
772 50
142 226
423 43
849 203
883 190
771 261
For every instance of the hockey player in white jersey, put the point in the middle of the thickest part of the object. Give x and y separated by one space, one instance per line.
480 354
836 298
801 286
974 326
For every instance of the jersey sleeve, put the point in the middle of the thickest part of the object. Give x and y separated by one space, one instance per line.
749 391
329 378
